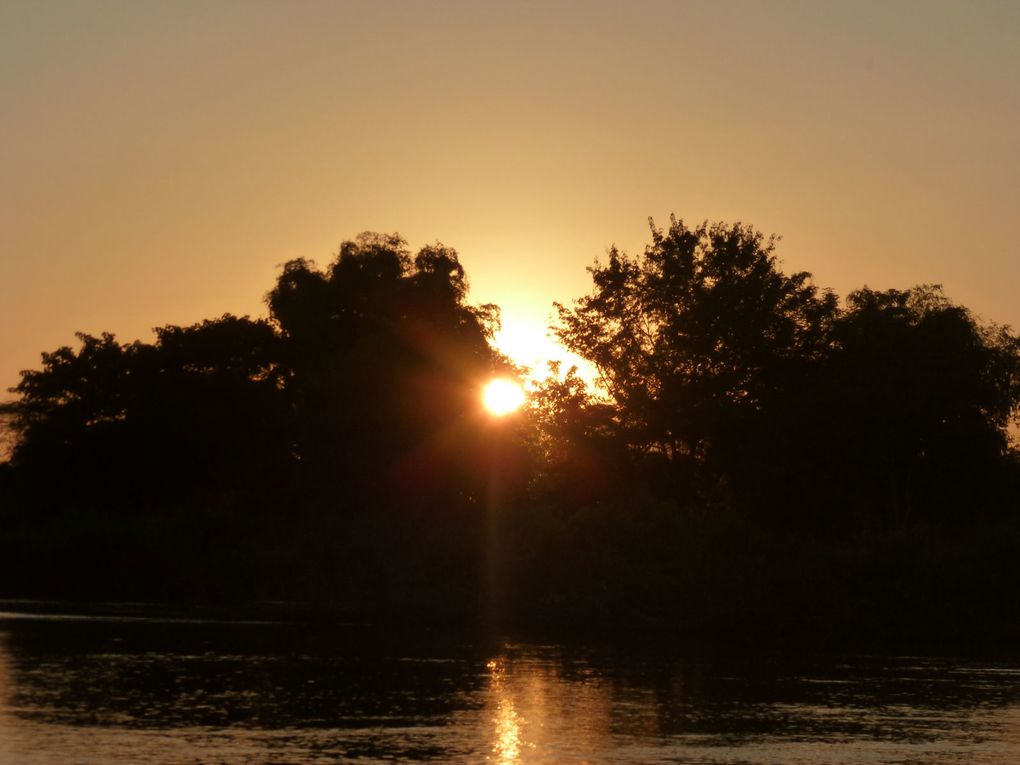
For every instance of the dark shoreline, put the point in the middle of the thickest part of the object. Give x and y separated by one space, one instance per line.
779 638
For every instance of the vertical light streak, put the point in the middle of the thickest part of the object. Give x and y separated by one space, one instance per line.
508 738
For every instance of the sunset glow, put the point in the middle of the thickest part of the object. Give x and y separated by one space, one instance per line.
182 202
509 382
501 397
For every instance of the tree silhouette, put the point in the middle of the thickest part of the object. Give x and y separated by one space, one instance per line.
918 396
574 434
384 359
199 410
697 339
758 452
758 391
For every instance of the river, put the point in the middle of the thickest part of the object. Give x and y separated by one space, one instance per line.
145 689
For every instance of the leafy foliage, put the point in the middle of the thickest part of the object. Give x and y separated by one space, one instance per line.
919 397
697 340
758 451
384 362
761 393
199 410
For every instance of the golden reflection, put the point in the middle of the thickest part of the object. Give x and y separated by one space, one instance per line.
508 723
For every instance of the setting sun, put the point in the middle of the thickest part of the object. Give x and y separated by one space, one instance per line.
501 397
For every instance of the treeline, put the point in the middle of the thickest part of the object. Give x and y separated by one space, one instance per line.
760 452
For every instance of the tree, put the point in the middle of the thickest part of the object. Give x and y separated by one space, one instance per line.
919 396
758 390
580 461
71 403
697 339
200 410
337 449
384 363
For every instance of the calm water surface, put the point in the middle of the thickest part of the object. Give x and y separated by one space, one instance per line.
149 690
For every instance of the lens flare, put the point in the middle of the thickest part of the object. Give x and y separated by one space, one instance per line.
501 397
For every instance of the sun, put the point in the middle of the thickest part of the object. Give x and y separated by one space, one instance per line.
502 396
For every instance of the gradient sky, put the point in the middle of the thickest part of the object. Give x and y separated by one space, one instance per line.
159 160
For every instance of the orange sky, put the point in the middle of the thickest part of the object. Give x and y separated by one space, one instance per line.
159 160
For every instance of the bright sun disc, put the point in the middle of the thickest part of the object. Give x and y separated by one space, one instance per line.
502 397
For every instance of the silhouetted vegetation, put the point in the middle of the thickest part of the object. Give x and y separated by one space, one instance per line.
760 452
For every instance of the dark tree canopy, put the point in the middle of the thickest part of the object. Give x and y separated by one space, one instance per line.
919 396
575 438
696 333
385 359
366 375
759 454
200 408
337 446
761 392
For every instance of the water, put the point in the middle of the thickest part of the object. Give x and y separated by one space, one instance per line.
149 690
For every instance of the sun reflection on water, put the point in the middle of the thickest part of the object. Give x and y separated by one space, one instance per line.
508 723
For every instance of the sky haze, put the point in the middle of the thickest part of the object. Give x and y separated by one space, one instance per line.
159 161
